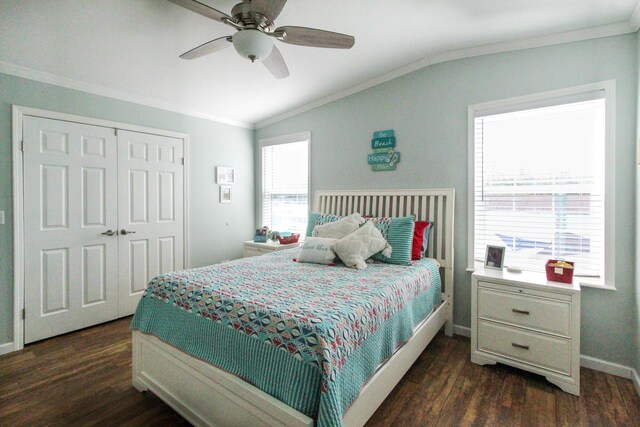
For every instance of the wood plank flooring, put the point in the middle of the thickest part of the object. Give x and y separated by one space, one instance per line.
84 378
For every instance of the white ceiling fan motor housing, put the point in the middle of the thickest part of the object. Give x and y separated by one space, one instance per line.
252 44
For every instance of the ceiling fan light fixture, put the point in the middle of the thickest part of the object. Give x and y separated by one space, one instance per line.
252 44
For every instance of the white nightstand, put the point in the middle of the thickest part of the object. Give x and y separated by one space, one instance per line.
525 321
252 248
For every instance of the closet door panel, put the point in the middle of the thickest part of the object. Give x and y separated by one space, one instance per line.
150 193
70 185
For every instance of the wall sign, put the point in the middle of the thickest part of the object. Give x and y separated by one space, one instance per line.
388 142
384 156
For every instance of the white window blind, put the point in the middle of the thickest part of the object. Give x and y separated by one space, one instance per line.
539 182
285 193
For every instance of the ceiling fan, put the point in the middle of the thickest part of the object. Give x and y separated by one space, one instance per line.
254 39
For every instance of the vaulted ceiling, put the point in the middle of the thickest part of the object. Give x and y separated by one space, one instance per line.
130 48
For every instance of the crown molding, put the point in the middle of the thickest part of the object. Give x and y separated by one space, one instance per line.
535 42
634 19
553 39
56 80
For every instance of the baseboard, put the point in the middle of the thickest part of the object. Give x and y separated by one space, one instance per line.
607 367
636 380
462 331
6 348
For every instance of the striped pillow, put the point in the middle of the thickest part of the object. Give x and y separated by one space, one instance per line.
399 233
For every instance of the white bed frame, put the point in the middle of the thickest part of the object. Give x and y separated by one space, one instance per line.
208 396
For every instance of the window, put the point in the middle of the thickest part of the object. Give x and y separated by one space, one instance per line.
540 184
285 182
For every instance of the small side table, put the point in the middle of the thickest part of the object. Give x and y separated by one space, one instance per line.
525 321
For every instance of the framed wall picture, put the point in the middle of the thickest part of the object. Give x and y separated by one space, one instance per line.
225 194
494 258
225 175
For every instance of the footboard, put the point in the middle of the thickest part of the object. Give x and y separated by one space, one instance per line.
203 394
208 396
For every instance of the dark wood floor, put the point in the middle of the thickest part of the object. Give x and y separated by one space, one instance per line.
84 378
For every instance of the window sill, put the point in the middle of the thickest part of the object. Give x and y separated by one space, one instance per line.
584 283
594 285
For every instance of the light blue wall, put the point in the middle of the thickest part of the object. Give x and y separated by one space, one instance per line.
428 110
637 320
211 144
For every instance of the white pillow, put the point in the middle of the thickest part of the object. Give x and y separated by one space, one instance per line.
317 250
355 248
340 228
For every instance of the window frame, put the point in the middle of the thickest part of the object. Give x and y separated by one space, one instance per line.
279 140
538 100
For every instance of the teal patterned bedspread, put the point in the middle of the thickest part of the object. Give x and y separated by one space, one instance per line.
310 335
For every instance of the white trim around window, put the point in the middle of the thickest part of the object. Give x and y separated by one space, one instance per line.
538 100
277 140
285 139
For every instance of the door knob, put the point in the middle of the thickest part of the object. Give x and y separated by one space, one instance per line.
110 233
123 232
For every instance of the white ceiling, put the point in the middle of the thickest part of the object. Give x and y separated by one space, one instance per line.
131 47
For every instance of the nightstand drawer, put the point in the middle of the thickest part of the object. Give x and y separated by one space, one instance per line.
529 312
253 251
536 349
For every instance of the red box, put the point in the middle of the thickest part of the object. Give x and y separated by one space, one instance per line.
552 275
288 239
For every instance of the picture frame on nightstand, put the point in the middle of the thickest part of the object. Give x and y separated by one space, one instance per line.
494 257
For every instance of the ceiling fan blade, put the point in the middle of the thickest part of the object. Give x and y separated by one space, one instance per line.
303 36
207 48
203 10
276 65
269 8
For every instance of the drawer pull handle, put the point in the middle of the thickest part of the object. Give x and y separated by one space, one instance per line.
524 347
515 310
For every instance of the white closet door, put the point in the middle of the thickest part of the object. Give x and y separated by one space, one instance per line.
70 185
150 200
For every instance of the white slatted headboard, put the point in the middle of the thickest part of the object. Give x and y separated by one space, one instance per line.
436 205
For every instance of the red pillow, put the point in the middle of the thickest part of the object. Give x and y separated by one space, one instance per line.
418 238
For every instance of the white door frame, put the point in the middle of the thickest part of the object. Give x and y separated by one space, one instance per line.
18 114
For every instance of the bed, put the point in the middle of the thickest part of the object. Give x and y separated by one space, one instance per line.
230 345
